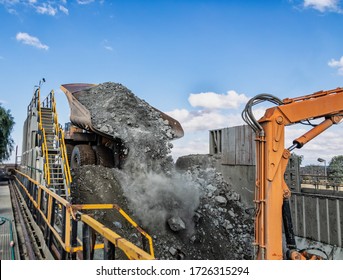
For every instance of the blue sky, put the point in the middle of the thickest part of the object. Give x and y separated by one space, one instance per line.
199 61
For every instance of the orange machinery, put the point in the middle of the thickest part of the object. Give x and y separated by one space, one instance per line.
271 192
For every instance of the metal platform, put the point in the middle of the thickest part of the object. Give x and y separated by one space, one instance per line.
8 236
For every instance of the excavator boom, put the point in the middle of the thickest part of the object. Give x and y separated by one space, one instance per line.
271 192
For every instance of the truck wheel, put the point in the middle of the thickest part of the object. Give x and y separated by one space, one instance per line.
104 156
82 155
69 150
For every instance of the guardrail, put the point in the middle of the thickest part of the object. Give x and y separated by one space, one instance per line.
59 222
50 102
43 138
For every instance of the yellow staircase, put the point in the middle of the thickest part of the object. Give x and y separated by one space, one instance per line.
56 167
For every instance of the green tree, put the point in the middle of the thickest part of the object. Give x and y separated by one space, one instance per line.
6 127
335 170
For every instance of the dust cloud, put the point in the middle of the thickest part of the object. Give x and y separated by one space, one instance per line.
156 198
154 190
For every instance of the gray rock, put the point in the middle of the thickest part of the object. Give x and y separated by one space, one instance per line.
104 128
221 200
231 213
176 224
117 224
227 225
172 251
211 188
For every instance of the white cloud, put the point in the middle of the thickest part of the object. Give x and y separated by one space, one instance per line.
64 10
326 145
46 9
30 40
84 2
220 110
107 45
196 143
12 11
323 5
213 100
196 125
51 7
337 64
9 2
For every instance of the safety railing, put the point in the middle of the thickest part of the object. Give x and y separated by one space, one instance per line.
42 141
59 220
61 143
65 161
50 102
317 181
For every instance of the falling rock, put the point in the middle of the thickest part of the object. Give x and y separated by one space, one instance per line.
211 188
104 129
197 218
221 200
176 224
233 196
193 239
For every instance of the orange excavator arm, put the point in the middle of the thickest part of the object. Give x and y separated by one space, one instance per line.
271 192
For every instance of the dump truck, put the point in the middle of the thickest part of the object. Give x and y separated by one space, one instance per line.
86 143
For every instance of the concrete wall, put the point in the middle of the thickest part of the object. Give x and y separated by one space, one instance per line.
234 148
318 217
242 179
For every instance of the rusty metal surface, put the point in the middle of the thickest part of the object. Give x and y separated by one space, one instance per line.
72 88
79 114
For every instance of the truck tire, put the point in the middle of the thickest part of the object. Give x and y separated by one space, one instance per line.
82 155
69 150
104 156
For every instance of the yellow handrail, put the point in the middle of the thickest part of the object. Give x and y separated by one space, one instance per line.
131 250
123 213
65 157
60 133
46 164
44 144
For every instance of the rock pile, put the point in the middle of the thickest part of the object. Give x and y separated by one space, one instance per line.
219 227
190 211
117 112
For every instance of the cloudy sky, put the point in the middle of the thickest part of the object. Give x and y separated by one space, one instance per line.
200 61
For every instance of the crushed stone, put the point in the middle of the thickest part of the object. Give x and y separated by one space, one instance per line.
190 210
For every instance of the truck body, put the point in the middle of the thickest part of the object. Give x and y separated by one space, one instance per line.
86 144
